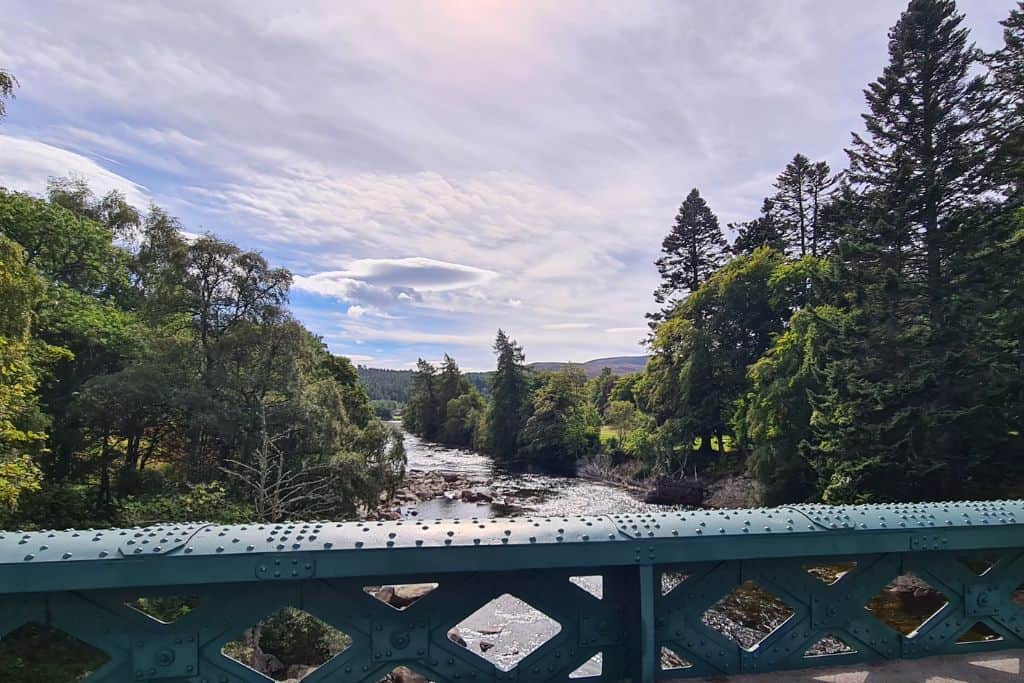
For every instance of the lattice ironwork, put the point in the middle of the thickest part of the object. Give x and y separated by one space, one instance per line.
630 594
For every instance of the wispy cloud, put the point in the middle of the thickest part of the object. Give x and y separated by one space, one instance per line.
436 170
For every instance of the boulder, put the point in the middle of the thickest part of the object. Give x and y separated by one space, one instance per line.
404 675
405 595
674 491
456 638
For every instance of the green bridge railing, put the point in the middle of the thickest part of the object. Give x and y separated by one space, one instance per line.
660 574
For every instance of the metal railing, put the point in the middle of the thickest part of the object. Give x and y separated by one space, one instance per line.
82 582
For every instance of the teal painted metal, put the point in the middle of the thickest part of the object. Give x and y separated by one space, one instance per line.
80 582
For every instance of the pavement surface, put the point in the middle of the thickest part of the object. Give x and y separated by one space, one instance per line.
992 667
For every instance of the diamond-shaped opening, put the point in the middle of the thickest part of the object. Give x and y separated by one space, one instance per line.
906 603
401 596
165 609
1018 596
830 574
979 633
505 631
747 615
33 653
592 584
590 668
671 580
828 646
288 645
979 564
671 661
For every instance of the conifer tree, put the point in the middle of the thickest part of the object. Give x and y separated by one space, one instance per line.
921 158
763 231
509 396
801 193
1007 82
693 250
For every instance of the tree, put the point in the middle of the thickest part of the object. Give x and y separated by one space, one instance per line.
693 249
702 351
764 231
801 193
920 162
22 424
899 399
1006 68
422 414
621 415
563 426
599 389
7 85
509 396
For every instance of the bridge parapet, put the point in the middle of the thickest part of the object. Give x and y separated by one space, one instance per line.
659 574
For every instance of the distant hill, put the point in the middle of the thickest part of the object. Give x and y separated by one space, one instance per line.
394 384
619 365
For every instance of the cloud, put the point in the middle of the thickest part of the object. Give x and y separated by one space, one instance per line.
460 166
422 274
567 326
26 165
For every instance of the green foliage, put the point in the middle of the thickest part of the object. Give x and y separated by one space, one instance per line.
165 380
893 368
509 405
563 426
691 252
295 637
7 85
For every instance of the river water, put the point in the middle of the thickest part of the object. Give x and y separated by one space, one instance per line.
506 630
525 492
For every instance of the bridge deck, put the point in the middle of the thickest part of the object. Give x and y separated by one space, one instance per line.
992 667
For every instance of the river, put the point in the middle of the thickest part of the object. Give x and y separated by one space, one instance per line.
525 492
506 630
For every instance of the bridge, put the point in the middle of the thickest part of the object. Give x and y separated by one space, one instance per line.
641 616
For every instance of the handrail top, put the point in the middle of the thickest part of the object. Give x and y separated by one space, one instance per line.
207 539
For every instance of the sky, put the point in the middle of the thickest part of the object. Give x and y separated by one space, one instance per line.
433 171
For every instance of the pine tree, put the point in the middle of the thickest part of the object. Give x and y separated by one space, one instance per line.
7 85
421 415
693 250
763 231
894 412
921 159
802 190
1007 82
509 396
792 201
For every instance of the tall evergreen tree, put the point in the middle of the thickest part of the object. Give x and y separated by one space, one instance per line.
7 85
693 250
1007 81
896 408
921 159
801 193
793 201
764 231
422 414
509 396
